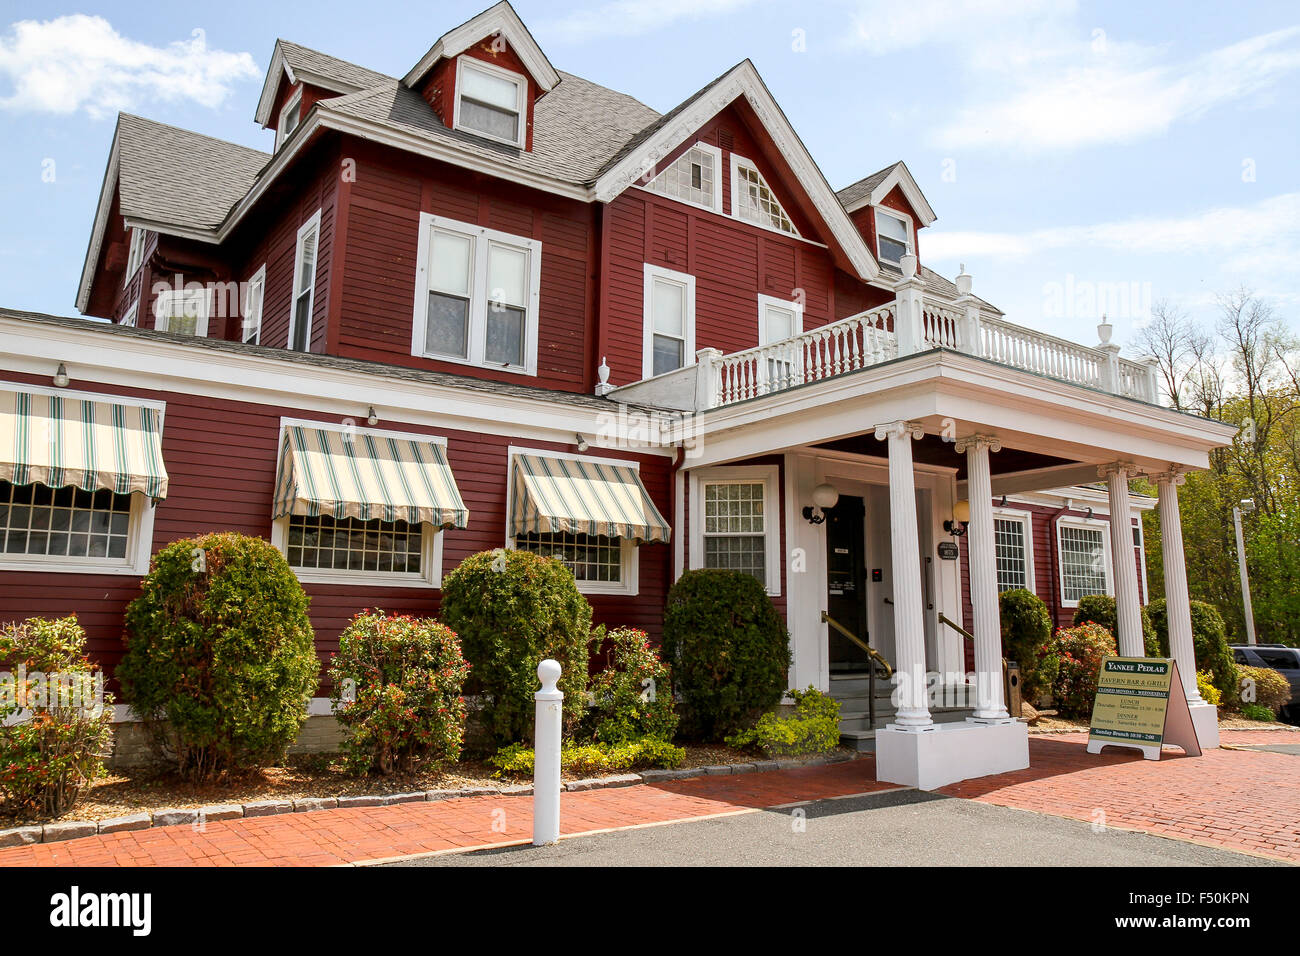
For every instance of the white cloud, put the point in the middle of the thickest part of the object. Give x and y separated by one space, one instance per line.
1260 235
628 18
886 26
80 62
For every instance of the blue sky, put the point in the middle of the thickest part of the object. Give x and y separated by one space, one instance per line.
1075 153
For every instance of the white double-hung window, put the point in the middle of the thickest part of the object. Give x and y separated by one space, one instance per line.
304 284
669 338
1084 545
734 521
1014 549
476 296
780 321
490 101
893 236
134 254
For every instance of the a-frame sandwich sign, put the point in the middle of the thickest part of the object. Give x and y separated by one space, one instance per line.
1141 704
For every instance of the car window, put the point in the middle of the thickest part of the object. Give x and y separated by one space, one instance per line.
1278 659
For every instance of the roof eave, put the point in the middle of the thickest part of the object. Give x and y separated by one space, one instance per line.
502 20
96 242
271 85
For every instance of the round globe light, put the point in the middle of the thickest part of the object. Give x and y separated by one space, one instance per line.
961 511
825 496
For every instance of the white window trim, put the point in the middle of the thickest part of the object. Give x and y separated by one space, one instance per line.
907 226
258 277
687 281
294 100
717 179
134 254
131 316
766 301
1094 523
767 474
521 98
1026 519
162 318
629 552
478 293
736 162
1141 548
139 545
312 224
430 540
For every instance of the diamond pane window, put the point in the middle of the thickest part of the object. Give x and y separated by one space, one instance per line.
754 201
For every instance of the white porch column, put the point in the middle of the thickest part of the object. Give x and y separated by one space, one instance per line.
1179 610
909 623
990 703
1128 612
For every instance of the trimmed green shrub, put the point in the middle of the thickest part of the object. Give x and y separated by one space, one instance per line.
1209 642
1100 609
512 610
220 655
728 650
1205 685
632 697
1257 712
397 683
1262 686
813 728
1081 649
55 754
516 760
1027 640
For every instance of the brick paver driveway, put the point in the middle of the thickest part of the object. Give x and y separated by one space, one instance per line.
1242 800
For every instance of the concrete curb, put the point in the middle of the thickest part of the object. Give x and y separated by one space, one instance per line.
197 817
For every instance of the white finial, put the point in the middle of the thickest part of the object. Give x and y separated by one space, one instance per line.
603 371
548 672
1104 330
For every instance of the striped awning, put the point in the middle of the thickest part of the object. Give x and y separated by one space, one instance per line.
365 475
583 497
61 440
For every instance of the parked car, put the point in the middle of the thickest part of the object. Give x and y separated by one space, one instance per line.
1281 658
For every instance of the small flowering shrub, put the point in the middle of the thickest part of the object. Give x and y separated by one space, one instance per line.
632 697
49 759
1027 640
397 692
1100 609
1205 684
1263 687
813 728
1081 649
516 760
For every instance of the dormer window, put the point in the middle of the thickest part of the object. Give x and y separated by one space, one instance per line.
893 236
290 116
490 101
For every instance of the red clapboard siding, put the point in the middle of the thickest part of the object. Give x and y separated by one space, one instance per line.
221 457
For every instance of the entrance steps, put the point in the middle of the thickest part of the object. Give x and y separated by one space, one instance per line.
856 728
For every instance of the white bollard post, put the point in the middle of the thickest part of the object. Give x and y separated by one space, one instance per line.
546 756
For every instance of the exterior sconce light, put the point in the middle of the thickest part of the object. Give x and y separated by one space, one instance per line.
582 443
956 525
371 417
824 496
61 379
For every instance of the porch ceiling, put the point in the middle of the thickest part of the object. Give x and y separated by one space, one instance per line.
934 450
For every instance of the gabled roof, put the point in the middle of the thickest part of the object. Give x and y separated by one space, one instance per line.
874 188
169 175
496 21
670 130
298 63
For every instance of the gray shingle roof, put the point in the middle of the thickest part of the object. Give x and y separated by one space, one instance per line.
301 58
173 175
577 127
863 187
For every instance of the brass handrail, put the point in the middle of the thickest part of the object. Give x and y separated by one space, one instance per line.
957 627
871 651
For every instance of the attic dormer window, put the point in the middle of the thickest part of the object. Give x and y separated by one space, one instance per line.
289 118
490 101
893 236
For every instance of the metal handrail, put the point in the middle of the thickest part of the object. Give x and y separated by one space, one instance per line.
956 627
874 654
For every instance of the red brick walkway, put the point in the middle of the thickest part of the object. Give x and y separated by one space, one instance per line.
1241 800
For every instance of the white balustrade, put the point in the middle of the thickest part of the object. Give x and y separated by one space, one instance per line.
940 326
1045 354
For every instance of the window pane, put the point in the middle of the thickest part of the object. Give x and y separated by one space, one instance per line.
667 354
890 227
690 178
349 544
507 276
778 323
668 307
490 120
307 261
737 553
301 322
1009 545
1083 563
757 202
892 251
37 520
505 336
447 326
450 269
253 311
489 89
589 557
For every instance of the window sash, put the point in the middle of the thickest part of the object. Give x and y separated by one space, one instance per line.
735 526
485 103
1083 562
1011 553
184 312
254 299
135 254
348 545
306 260
893 236
694 178
591 558
753 201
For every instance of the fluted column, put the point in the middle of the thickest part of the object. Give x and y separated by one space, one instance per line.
905 548
1178 607
1128 611
987 626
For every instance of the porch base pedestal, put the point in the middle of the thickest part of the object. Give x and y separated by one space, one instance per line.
950 753
1205 718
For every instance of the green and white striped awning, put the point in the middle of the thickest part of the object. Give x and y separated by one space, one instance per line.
61 440
366 475
554 495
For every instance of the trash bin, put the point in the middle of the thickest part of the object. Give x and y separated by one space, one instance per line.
1011 679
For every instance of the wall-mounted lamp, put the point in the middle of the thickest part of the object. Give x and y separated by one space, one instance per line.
582 443
1087 514
956 526
824 496
61 379
371 417
1003 502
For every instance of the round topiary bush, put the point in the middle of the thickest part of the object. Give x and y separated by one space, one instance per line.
513 609
1209 642
728 649
1100 609
1261 687
1081 649
397 683
220 655
632 697
1027 640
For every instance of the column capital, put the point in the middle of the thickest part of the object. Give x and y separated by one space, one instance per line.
1116 467
899 429
991 442
1174 475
